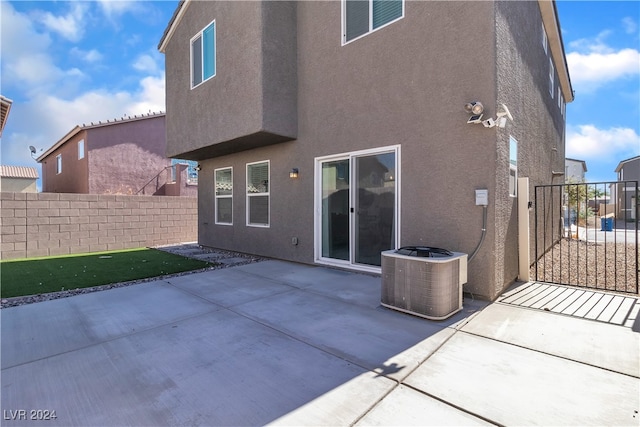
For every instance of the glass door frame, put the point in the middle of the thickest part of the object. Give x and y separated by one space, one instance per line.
317 208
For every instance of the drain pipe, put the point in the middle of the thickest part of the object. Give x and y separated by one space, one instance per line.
484 233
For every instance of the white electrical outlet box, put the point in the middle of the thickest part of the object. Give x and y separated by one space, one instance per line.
482 197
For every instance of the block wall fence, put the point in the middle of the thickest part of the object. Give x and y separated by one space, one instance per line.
45 224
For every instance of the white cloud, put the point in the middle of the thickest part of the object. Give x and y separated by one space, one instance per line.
16 26
587 142
115 8
146 63
592 70
90 56
69 26
630 26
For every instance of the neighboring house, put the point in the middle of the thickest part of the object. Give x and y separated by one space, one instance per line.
5 108
18 179
574 170
626 195
120 156
327 132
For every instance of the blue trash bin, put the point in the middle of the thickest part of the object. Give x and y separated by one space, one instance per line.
606 224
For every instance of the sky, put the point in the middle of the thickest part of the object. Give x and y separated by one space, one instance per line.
68 63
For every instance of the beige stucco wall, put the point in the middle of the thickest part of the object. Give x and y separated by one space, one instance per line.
405 85
44 224
18 185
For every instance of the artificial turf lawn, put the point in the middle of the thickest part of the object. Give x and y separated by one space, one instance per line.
53 274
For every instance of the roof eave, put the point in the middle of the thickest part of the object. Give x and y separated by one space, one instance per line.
551 24
173 24
55 146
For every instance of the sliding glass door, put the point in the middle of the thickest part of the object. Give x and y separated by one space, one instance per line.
358 207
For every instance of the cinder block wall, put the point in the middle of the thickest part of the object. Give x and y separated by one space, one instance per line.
44 224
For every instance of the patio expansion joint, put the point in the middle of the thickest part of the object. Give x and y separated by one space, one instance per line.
550 354
403 383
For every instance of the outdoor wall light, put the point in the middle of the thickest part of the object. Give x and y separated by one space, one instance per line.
293 173
198 168
474 107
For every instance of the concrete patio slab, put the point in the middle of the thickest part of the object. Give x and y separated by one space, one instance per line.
274 342
35 331
511 385
405 406
612 347
214 369
379 339
229 286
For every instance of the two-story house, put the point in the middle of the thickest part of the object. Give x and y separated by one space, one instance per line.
626 193
120 156
574 170
329 131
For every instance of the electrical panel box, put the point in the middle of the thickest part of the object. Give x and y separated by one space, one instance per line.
482 197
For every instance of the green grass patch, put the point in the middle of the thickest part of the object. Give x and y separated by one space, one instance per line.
52 274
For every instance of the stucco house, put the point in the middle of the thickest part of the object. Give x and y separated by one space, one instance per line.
626 194
329 131
18 179
5 108
120 156
574 170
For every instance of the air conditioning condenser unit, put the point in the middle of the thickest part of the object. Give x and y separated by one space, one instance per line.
423 281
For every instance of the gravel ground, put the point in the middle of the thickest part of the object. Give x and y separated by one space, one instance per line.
30 299
608 266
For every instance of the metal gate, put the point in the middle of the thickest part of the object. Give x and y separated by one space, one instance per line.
586 235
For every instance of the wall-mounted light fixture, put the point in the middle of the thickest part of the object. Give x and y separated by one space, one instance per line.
293 173
474 108
198 168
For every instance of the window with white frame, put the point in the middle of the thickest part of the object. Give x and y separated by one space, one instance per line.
224 196
545 43
59 163
81 149
513 167
552 72
360 17
258 194
203 55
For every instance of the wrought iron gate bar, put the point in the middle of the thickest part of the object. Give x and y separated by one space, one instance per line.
572 248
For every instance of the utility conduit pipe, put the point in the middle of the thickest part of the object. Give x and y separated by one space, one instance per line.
484 233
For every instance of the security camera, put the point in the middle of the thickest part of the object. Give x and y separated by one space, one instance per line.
505 112
489 123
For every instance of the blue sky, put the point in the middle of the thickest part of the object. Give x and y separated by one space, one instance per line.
68 63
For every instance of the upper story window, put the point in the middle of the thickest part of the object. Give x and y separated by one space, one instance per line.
545 43
360 17
203 55
81 149
59 163
552 72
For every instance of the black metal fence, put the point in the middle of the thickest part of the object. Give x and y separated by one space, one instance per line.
586 235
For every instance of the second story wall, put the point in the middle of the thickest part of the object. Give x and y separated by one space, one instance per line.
65 170
123 157
250 100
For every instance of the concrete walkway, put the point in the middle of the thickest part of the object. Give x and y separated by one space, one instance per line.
286 344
